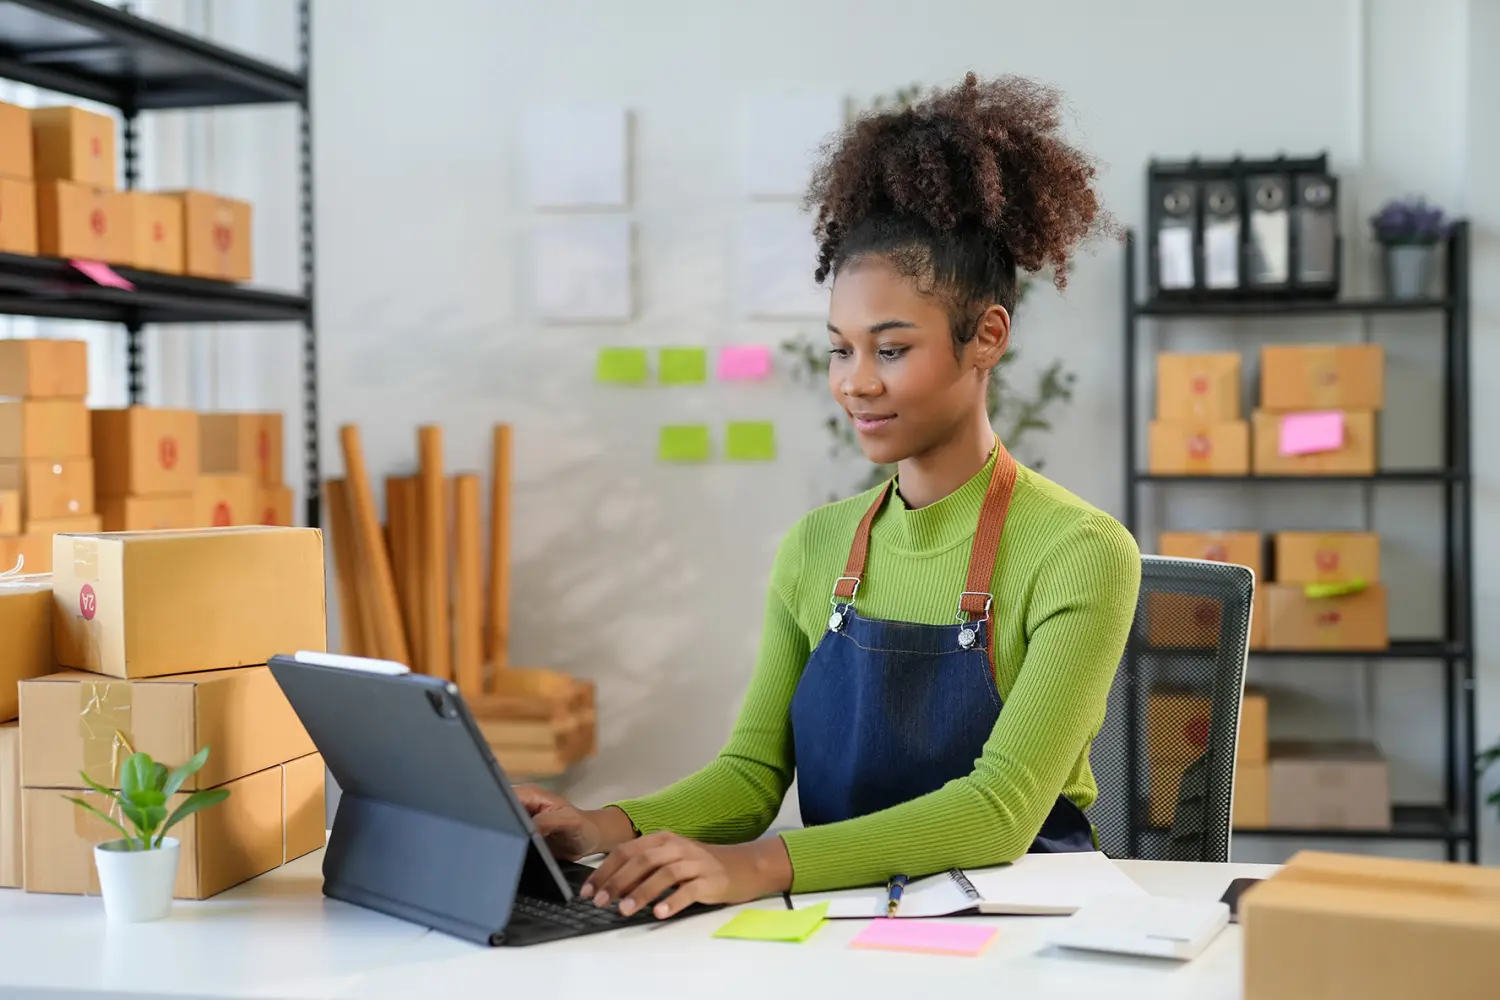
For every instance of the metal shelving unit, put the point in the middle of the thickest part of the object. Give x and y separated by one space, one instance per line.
1454 822
99 53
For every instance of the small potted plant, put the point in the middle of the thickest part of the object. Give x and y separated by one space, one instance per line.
1409 231
137 872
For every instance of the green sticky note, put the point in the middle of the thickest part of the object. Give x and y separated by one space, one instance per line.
621 365
1312 591
774 925
750 441
684 443
684 365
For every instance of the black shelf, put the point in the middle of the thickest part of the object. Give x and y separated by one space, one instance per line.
1383 476
1189 309
86 49
1408 822
1403 649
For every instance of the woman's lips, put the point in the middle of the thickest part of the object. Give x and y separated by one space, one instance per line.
868 423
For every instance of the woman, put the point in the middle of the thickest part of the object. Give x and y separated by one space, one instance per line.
936 653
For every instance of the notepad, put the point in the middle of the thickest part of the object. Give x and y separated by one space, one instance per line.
1034 885
773 925
926 936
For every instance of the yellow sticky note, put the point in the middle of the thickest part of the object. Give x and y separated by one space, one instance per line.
774 925
750 441
683 365
621 365
683 443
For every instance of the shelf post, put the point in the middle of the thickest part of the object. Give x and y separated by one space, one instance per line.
313 467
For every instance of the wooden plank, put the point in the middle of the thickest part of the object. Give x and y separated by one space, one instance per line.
372 565
497 625
436 630
341 528
405 527
468 605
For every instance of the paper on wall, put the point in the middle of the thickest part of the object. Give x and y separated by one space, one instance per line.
777 257
576 157
581 269
779 141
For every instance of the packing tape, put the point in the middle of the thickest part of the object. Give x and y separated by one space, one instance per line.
104 724
86 559
91 828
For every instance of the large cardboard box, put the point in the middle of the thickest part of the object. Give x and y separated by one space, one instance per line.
51 487
71 144
250 443
223 500
158 234
15 143
1240 548
34 552
10 513
1183 621
1331 786
87 223
44 428
81 722
18 232
275 506
1252 797
1185 448
10 805
1198 387
25 637
154 603
1176 727
1355 457
1254 745
1322 377
271 817
142 451
1327 556
156 513
1259 614
217 236
1346 927
1357 621
42 368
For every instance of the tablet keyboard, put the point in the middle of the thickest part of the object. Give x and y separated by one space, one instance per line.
576 914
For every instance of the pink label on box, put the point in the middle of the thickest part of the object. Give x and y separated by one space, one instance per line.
745 362
102 274
1310 433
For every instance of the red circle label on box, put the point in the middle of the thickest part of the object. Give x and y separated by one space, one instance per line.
223 237
158 232
222 516
1199 446
96 147
1327 560
97 222
1216 553
166 452
269 517
1200 385
87 602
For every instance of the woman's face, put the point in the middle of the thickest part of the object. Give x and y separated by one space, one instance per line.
892 366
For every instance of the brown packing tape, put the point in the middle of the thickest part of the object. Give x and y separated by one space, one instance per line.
91 828
104 723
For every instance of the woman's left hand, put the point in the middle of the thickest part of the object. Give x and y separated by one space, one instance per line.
638 872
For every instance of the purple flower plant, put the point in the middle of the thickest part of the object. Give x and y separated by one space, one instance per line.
1410 222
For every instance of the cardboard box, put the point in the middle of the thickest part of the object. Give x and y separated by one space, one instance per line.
10 513
42 368
224 500
15 143
250 443
1183 448
276 506
71 144
44 428
81 722
1198 387
158 235
158 513
1182 621
1333 786
1327 557
33 552
10 806
153 603
26 628
1259 614
1252 797
1239 548
217 236
1176 726
18 232
1322 377
141 451
1346 927
1356 457
1164 782
1253 746
270 818
75 221
1351 621
51 487
88 523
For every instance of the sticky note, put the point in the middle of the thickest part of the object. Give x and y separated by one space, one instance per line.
750 441
774 925
927 936
1309 433
683 365
683 443
621 365
102 274
744 363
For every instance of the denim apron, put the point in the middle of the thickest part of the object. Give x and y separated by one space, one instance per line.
887 711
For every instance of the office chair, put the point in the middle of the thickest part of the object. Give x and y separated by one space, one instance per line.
1164 758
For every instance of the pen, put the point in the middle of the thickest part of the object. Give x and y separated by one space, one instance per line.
893 894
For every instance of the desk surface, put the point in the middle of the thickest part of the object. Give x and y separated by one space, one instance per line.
278 936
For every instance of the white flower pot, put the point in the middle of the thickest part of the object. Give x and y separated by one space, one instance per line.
136 885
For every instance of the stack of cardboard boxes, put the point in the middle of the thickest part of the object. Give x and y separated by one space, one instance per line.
1177 731
154 640
46 470
25 652
17 190
81 214
147 470
1199 429
242 469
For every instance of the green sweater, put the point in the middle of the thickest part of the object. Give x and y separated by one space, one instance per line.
1065 590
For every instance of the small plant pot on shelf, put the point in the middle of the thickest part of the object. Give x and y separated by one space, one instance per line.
136 883
1408 271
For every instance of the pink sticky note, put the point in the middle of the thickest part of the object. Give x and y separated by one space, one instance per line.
744 362
926 935
1307 433
102 274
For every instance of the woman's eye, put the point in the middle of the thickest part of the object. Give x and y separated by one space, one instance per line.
839 352
892 353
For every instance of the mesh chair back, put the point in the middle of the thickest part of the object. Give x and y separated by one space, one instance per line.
1164 759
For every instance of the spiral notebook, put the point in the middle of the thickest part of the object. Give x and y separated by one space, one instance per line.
1034 885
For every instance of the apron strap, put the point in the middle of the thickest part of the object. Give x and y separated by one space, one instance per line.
847 585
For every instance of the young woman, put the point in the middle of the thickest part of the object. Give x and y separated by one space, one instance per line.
936 653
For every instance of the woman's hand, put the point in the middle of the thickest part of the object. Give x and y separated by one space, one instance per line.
572 833
644 869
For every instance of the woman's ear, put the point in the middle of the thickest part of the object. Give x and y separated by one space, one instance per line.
992 337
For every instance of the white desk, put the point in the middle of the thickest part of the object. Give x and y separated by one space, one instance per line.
277 936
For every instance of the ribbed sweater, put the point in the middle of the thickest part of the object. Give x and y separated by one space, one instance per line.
1065 587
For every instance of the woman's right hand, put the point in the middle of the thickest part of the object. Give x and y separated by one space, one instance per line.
569 832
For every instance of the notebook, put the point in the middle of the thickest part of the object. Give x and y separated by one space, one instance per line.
1161 928
1034 885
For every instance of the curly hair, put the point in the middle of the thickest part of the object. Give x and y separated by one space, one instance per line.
958 190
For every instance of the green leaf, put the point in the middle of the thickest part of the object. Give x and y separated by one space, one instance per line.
135 814
136 774
195 802
104 816
100 788
185 771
